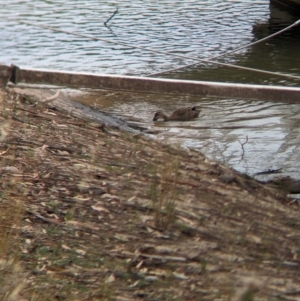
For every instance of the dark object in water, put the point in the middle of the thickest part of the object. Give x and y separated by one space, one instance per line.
287 184
182 114
269 171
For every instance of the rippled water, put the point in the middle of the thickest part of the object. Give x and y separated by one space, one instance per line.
270 130
195 28
202 29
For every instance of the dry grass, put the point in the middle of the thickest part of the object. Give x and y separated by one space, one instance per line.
163 194
12 276
10 219
92 213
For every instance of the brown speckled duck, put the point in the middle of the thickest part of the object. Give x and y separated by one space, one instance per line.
181 114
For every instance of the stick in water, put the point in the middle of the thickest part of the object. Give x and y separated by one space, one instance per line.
110 17
242 145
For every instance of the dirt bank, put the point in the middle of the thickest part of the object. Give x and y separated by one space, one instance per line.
93 213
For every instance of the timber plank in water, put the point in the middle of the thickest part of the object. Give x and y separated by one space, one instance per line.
155 85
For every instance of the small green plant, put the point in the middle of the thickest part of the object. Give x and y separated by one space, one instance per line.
54 230
70 214
106 292
30 152
202 220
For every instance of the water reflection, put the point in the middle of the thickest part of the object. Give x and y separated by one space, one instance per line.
279 54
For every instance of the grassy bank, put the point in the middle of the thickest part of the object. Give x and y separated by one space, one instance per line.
92 213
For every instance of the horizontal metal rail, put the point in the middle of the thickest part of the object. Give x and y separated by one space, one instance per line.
155 85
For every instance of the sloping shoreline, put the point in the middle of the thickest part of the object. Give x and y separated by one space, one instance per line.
111 215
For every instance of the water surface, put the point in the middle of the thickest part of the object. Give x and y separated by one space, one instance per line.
250 136
201 29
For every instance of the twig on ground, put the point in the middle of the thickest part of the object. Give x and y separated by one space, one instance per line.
66 225
150 256
45 219
4 152
18 119
50 146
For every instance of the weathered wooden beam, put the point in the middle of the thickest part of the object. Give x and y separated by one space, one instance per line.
156 85
5 74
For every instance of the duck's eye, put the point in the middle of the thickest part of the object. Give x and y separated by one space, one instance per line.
193 108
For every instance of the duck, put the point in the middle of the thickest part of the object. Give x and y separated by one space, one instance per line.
181 114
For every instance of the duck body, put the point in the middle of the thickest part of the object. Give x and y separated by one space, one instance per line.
181 114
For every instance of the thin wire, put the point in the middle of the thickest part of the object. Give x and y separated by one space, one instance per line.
231 51
159 51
